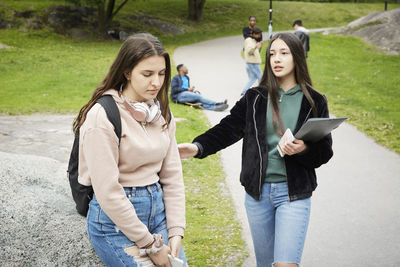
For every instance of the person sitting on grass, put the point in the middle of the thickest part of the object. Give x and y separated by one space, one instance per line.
182 92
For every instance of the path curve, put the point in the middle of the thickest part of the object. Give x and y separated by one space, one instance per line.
355 215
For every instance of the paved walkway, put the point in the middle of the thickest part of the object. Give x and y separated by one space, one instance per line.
355 219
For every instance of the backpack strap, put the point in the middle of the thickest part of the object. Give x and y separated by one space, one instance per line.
112 111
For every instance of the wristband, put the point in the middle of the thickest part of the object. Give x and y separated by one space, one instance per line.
155 247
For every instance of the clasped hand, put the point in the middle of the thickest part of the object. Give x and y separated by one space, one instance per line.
161 258
295 147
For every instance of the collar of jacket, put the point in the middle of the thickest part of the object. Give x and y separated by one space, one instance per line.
305 108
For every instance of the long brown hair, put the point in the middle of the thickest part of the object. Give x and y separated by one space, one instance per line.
135 48
270 82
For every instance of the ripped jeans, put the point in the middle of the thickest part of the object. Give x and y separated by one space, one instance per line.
112 246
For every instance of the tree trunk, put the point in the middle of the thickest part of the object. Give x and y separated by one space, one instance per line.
101 20
106 15
196 9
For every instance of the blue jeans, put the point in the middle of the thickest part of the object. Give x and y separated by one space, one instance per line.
254 72
187 96
278 227
110 243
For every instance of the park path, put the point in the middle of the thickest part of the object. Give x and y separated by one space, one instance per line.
355 218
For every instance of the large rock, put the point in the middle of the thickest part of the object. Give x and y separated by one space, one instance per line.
155 22
39 225
62 18
380 28
3 46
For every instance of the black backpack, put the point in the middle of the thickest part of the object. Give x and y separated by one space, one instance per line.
83 194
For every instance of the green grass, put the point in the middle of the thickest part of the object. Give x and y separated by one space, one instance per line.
45 72
48 73
361 83
213 237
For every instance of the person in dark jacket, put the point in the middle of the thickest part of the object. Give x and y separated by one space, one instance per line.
248 30
303 35
182 92
278 189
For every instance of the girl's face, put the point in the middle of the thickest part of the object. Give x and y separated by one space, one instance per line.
146 78
281 60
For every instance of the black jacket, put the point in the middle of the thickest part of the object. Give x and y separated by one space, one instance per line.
247 33
305 40
247 120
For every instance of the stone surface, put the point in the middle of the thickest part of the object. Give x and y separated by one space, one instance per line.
3 46
39 225
79 34
32 24
62 18
155 22
380 28
24 14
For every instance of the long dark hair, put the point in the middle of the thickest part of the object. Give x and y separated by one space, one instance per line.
135 48
270 82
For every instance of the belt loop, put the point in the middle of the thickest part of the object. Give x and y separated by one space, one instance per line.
159 188
149 187
133 192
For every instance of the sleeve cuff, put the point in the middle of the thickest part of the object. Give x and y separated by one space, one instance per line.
201 149
305 150
174 231
147 240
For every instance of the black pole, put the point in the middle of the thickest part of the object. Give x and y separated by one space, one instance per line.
385 5
270 20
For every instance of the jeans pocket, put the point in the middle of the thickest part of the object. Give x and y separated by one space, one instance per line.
104 219
142 206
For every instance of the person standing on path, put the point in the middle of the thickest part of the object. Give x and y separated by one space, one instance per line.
252 57
137 213
247 31
278 189
182 92
303 35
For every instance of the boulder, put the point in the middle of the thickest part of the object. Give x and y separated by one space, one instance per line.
3 46
62 18
39 225
380 28
79 34
24 14
155 22
32 24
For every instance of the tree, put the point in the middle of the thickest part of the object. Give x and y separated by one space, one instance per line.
106 11
196 9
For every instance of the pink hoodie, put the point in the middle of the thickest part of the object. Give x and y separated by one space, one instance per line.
145 156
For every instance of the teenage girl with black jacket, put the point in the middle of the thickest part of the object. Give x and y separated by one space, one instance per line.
278 189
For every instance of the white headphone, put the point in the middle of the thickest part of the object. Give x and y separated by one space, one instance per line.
148 111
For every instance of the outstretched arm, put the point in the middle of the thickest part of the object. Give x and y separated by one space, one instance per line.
227 132
187 150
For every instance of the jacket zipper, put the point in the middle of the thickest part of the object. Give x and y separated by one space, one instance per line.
258 143
308 114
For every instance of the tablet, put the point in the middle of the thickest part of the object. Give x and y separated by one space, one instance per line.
316 128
